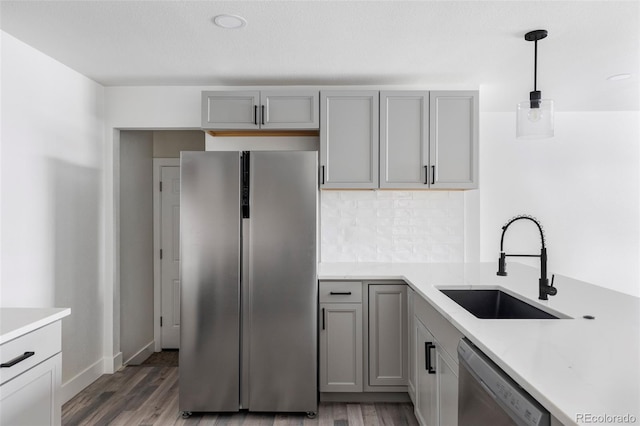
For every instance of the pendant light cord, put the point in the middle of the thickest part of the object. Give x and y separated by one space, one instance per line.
535 66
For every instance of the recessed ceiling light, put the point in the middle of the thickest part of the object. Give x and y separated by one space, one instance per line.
618 77
229 21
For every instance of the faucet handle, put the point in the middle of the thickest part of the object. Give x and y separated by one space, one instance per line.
552 291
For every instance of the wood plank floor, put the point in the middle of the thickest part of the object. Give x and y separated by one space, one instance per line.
148 395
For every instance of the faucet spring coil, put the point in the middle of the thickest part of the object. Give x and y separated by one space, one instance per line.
530 217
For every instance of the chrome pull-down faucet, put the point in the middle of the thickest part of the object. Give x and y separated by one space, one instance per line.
544 287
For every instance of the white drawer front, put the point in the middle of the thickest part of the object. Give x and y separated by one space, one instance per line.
340 292
44 342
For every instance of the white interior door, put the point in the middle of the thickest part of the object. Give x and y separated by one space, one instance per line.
170 262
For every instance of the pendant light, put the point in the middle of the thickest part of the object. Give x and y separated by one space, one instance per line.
535 116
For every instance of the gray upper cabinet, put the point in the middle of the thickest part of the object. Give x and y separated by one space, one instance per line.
267 109
453 149
404 139
230 110
349 139
281 109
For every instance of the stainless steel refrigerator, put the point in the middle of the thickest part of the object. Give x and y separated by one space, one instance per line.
248 281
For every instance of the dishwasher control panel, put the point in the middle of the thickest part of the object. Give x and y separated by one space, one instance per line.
516 402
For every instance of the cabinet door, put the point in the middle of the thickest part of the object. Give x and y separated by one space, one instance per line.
412 336
230 110
388 335
447 385
426 407
404 139
32 399
349 139
282 109
341 347
454 139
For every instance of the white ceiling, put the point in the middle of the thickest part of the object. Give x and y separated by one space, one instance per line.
429 44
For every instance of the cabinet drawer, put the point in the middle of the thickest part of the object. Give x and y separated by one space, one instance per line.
340 292
44 342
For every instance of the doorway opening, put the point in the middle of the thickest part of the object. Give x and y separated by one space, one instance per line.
149 228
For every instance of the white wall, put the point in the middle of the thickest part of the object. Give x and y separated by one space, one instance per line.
136 244
583 185
169 143
51 211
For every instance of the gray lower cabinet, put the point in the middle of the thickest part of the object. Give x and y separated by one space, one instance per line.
436 366
341 343
341 347
411 344
447 386
453 134
363 337
426 403
404 139
388 358
260 109
349 139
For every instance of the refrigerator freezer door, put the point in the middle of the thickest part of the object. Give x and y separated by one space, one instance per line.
283 282
210 273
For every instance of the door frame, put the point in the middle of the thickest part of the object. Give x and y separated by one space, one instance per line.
158 163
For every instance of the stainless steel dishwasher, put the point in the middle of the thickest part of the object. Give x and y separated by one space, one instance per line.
489 397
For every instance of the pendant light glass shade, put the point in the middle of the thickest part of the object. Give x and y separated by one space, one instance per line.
534 118
535 123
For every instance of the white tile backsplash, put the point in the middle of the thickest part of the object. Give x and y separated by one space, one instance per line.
392 226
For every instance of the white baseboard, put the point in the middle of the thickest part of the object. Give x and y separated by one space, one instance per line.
107 365
144 353
72 387
111 365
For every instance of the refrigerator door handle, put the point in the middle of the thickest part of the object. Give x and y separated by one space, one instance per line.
245 172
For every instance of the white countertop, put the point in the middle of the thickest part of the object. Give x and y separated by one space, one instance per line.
16 322
570 366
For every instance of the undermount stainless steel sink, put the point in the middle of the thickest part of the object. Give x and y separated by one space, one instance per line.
495 304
